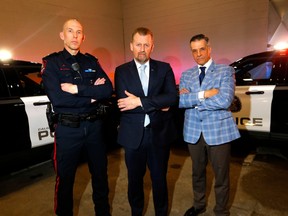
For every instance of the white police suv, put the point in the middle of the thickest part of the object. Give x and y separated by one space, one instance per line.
260 107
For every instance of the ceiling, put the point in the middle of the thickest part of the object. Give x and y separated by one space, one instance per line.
281 7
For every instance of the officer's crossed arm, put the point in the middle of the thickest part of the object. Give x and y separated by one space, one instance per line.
73 89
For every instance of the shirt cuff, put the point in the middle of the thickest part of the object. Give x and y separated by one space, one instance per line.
201 96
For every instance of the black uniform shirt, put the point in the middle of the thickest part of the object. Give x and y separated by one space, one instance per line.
61 67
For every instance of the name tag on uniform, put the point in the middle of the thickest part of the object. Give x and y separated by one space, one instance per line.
90 70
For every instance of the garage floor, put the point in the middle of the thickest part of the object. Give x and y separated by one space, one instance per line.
259 186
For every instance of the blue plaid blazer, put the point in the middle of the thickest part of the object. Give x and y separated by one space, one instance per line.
211 117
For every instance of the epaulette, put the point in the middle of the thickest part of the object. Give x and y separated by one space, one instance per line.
91 56
51 55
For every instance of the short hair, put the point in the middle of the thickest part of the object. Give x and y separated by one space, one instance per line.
199 37
142 31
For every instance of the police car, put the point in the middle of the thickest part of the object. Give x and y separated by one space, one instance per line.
260 107
22 109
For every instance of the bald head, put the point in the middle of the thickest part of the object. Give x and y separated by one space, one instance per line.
72 35
70 22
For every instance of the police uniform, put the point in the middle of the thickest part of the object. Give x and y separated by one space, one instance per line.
78 126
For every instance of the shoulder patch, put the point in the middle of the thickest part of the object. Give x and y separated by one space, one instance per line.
43 66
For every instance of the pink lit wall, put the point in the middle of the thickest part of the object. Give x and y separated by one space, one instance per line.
235 28
30 29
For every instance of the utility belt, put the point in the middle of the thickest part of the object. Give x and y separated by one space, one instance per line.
74 120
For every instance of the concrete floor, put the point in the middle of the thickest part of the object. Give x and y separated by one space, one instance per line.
259 187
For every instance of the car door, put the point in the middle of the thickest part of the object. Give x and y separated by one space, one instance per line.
24 121
279 114
254 95
15 129
255 112
260 83
39 132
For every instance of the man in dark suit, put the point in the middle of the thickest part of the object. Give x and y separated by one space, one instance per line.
146 126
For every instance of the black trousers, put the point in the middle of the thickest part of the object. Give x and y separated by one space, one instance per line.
69 145
219 156
156 158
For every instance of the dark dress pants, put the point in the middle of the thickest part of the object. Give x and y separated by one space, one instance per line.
156 158
70 144
219 156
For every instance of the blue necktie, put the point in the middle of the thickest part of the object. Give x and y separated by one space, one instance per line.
202 74
144 81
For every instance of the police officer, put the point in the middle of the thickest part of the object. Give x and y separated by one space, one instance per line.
75 84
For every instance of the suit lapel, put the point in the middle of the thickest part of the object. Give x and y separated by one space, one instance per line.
135 79
152 76
209 76
195 76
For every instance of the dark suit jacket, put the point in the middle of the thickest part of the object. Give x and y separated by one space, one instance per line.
162 93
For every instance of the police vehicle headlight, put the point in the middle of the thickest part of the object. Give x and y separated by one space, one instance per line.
5 55
281 45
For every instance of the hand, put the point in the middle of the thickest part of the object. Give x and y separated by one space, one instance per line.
165 109
129 103
211 92
69 87
183 91
100 81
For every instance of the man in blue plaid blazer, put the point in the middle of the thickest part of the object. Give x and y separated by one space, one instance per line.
209 126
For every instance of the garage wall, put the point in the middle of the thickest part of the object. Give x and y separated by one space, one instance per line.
30 28
236 28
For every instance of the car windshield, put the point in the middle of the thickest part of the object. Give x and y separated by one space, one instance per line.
265 70
21 81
